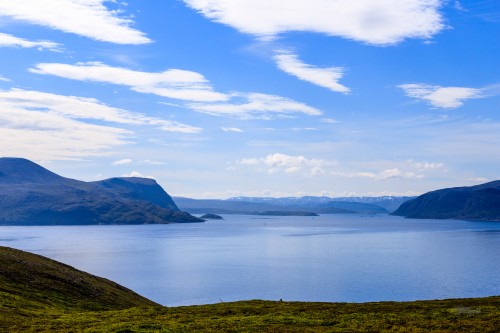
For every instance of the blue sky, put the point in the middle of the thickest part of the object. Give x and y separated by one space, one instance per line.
221 98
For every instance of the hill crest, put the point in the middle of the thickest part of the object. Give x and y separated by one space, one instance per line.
479 202
33 195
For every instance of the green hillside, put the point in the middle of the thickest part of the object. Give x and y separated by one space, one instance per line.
41 295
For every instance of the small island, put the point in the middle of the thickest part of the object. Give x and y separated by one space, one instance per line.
211 217
287 213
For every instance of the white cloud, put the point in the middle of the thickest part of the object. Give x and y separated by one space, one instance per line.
324 77
232 129
299 129
172 83
422 166
4 79
288 164
40 135
371 21
85 108
386 175
152 162
43 126
458 6
137 174
479 180
123 161
249 161
329 121
441 97
255 106
89 18
408 169
183 85
7 40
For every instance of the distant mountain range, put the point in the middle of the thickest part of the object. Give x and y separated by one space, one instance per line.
390 203
33 195
318 205
480 203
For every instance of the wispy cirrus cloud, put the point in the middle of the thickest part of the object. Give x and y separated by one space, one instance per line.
232 129
4 79
45 126
172 83
376 22
85 108
7 40
255 106
123 161
187 86
441 97
127 161
33 131
385 175
327 77
88 18
387 170
329 121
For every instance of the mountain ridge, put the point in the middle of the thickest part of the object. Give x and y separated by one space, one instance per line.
252 205
480 203
33 195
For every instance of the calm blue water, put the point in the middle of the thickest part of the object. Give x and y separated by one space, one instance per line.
328 258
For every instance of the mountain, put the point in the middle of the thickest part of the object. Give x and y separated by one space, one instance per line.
319 205
356 207
33 195
287 213
389 203
480 202
40 282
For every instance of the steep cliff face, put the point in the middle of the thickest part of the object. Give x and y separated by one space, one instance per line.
481 202
33 195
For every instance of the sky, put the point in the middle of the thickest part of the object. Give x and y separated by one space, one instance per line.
224 98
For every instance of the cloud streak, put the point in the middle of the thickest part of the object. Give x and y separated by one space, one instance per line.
42 135
46 126
389 170
7 40
85 108
172 83
386 175
441 97
188 86
255 106
232 129
378 22
88 18
123 161
324 77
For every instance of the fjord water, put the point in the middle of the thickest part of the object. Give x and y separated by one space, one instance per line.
333 258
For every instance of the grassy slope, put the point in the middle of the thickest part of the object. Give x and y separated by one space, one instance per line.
41 295
45 281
